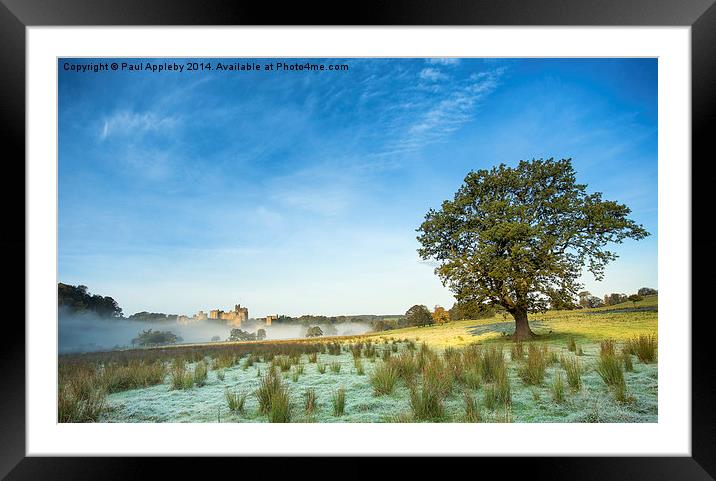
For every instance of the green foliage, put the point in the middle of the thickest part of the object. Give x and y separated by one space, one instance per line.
310 401
647 291
273 398
519 237
80 398
418 315
180 378
314 331
610 370
573 369
77 300
644 347
470 310
338 399
235 401
532 373
200 373
492 363
558 388
150 337
383 379
241 335
634 298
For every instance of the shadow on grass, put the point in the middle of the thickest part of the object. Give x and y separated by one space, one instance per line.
505 328
544 333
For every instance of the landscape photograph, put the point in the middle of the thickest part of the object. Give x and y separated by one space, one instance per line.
357 240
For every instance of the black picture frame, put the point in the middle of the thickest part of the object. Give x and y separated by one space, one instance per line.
700 15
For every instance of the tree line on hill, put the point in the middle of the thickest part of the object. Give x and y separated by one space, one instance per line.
310 319
587 300
78 300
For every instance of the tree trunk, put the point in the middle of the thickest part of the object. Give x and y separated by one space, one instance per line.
522 326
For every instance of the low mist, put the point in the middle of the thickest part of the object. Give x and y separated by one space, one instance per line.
84 333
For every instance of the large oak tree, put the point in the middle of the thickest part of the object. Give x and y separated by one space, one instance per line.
520 237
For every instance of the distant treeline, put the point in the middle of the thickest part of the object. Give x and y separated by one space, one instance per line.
307 319
153 317
77 300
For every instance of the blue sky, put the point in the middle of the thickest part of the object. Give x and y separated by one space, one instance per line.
300 192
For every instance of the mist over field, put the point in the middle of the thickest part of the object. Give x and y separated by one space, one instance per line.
85 333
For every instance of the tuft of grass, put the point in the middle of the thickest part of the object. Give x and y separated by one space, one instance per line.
386 354
492 363
360 370
313 357
645 347
498 393
338 399
383 379
249 361
280 409
606 348
113 377
336 367
181 379
473 412
571 344
573 369
517 353
200 373
80 400
558 388
235 401
284 363
321 367
426 403
621 395
310 401
626 356
610 370
405 366
273 399
220 375
532 373
472 377
438 375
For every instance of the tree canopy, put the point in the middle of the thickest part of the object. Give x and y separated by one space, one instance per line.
520 237
78 300
418 315
314 331
154 338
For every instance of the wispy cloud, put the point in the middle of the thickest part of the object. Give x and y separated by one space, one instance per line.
443 61
124 123
448 109
432 74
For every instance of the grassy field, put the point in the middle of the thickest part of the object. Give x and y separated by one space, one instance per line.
462 371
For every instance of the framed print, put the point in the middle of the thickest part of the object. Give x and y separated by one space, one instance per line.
357 237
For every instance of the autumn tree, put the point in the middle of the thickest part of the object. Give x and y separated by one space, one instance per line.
440 315
518 238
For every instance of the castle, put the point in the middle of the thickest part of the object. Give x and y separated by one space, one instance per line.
234 318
